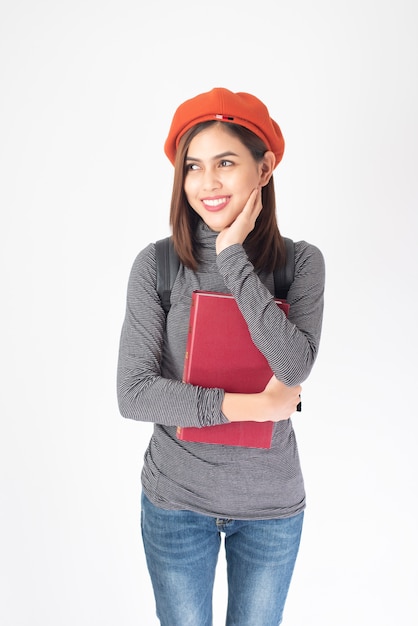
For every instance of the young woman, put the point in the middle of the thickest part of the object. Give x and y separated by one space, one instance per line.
224 147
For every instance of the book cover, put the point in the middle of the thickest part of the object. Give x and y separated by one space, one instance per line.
220 353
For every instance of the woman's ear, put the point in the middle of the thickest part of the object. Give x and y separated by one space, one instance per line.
267 167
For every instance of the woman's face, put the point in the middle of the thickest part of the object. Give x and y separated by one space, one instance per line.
220 175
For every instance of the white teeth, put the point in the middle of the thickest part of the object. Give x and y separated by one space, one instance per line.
214 202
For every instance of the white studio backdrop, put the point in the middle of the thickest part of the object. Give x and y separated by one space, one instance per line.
88 90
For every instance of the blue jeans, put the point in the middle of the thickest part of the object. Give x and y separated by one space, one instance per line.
182 547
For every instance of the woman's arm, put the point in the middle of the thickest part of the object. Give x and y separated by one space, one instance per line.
143 393
291 344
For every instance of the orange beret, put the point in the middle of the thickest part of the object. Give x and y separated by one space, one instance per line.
225 106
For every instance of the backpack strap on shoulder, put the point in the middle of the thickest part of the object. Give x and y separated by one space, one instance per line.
283 276
168 265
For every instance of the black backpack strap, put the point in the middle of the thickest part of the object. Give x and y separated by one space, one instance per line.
283 276
168 265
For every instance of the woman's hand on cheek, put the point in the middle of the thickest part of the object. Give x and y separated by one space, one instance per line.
243 224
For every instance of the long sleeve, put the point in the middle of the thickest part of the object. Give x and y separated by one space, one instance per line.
290 345
146 390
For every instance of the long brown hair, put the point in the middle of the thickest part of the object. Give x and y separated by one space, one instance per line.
264 245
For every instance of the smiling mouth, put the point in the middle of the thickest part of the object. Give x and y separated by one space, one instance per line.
215 204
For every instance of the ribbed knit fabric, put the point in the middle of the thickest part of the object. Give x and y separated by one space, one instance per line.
223 481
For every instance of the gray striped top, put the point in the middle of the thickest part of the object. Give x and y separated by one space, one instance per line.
221 481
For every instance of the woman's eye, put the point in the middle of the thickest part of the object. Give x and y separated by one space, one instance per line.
191 167
225 163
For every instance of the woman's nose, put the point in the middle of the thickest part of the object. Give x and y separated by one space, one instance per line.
210 179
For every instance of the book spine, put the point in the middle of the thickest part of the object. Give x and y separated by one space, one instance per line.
189 344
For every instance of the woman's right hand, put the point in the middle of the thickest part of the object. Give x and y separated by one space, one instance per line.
281 399
277 402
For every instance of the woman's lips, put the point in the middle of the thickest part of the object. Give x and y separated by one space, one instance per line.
215 204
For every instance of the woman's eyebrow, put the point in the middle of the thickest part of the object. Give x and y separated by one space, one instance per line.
222 155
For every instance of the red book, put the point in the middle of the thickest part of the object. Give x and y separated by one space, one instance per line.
220 353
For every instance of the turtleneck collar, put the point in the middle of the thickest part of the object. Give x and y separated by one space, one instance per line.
207 240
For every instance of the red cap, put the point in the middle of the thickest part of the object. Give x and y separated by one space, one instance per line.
225 106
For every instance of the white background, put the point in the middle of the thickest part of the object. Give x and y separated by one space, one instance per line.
88 89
